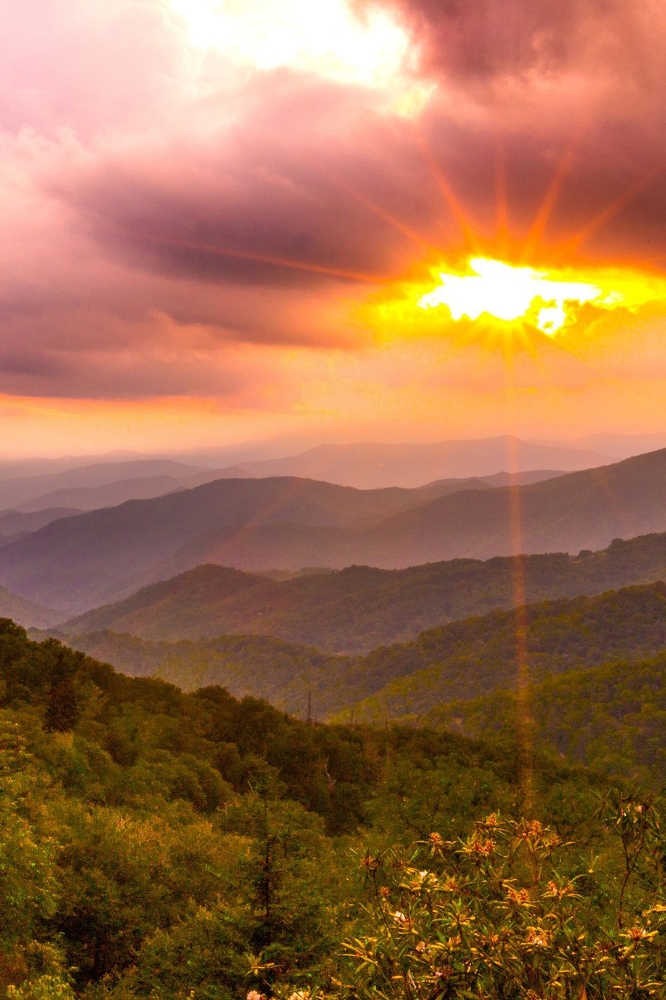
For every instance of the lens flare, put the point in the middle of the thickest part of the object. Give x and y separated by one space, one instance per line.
508 293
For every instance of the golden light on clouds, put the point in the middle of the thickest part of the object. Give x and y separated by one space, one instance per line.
508 304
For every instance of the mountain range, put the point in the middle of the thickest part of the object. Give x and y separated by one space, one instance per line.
354 610
374 465
259 524
106 484
464 659
27 613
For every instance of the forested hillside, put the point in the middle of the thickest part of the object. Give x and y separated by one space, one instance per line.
111 551
473 657
289 676
463 659
359 608
161 844
611 717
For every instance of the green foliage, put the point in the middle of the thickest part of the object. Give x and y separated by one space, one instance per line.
612 718
46 987
175 845
510 911
463 659
282 673
62 710
474 657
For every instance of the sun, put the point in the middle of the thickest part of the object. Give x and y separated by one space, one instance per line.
508 304
507 292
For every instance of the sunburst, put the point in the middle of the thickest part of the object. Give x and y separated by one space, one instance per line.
507 291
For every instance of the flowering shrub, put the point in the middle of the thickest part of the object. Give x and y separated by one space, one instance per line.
511 912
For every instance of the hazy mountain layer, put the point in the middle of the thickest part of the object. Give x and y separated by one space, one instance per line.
19 490
139 488
279 522
26 613
16 522
357 609
372 465
261 524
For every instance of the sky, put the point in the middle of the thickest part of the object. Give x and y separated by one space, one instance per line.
231 221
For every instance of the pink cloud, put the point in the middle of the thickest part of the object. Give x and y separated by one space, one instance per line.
160 208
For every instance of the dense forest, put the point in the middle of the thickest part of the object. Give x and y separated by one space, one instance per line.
354 610
463 659
478 655
156 843
612 717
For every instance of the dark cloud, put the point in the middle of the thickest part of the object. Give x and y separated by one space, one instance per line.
485 39
298 194
342 197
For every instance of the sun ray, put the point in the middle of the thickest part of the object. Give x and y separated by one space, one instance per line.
383 213
599 221
260 258
503 230
547 206
459 215
523 681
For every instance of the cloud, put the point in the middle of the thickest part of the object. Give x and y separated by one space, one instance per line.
171 217
481 40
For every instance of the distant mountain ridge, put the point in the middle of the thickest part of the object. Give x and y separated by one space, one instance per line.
16 522
27 613
107 484
374 465
355 610
260 524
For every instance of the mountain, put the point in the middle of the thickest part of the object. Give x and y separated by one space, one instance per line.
289 675
260 524
611 718
359 608
16 491
373 465
477 656
27 613
139 488
16 522
407 681
112 551
18 468
581 510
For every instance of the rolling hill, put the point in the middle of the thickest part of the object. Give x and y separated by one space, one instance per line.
288 523
462 660
611 718
113 494
27 613
289 675
14 523
359 608
477 656
114 550
18 490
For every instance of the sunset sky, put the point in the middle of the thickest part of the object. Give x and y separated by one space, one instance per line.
228 221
